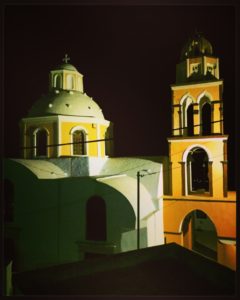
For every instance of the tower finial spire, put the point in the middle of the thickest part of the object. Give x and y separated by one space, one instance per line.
66 58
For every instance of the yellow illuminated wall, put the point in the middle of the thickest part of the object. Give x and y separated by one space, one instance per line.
29 128
59 135
184 95
93 132
215 148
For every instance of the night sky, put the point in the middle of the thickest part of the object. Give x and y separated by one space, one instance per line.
128 56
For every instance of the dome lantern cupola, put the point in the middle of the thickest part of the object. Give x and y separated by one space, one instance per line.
66 77
197 62
196 46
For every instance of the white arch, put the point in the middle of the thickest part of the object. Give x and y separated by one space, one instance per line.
186 152
78 127
57 79
206 94
184 159
187 96
40 128
193 210
185 102
85 137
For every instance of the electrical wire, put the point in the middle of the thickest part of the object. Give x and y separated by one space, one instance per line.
198 125
71 143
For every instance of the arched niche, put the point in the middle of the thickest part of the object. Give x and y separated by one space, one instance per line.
96 219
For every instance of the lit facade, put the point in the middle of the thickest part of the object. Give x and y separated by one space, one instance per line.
72 200
199 199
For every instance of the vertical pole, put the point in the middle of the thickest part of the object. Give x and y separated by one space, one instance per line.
138 210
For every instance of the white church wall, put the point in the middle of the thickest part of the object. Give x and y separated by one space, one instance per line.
35 215
129 240
96 164
51 215
38 219
155 235
75 193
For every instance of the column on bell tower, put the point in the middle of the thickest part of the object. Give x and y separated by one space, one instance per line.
217 125
196 119
176 120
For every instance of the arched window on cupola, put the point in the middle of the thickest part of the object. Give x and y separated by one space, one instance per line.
198 171
41 142
70 82
96 219
206 118
57 81
79 142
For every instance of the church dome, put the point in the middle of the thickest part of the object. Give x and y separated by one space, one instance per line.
66 66
196 46
70 103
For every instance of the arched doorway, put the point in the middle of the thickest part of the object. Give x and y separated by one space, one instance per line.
199 234
198 171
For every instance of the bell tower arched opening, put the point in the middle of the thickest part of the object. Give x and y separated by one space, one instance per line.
206 119
198 171
190 127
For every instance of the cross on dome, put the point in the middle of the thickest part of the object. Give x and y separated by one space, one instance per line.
66 58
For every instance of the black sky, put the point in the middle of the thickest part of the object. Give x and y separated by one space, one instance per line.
127 55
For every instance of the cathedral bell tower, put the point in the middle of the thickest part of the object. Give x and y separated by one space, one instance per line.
198 142
200 212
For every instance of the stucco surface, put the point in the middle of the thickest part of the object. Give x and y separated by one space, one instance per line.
42 169
66 103
128 187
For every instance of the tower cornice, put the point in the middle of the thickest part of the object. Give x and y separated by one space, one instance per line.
193 85
198 138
